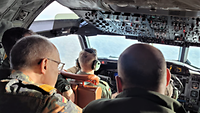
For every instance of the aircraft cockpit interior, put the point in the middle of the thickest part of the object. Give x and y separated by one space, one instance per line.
110 26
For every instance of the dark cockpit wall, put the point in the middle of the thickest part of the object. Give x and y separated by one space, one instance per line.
19 13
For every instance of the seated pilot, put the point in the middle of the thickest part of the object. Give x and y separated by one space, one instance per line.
36 63
88 64
143 78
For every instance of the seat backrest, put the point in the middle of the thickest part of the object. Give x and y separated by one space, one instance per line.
87 94
84 94
10 103
28 102
4 74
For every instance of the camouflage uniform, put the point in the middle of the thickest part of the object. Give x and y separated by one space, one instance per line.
21 84
73 69
106 91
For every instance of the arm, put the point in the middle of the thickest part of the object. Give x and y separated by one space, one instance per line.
59 104
63 86
69 95
73 69
89 78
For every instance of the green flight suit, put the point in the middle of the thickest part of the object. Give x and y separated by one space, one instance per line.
135 100
106 91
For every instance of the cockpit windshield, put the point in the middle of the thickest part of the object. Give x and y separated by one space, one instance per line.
170 52
111 46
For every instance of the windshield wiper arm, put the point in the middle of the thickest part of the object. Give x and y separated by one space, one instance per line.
112 56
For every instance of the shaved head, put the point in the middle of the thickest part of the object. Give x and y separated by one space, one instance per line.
29 50
142 65
36 57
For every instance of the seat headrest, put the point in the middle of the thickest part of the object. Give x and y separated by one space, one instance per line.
4 73
87 77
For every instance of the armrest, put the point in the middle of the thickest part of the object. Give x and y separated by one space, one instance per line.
89 78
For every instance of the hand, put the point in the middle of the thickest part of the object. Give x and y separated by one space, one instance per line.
93 79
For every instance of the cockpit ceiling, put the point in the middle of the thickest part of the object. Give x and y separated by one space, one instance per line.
152 4
19 13
166 22
128 15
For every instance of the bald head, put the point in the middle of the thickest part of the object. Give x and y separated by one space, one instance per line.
142 65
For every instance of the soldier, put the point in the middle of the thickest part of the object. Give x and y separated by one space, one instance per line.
88 63
144 77
36 63
10 37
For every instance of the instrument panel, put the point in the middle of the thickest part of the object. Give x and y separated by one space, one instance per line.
189 96
164 29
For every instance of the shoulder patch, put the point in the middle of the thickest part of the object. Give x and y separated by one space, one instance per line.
103 82
48 88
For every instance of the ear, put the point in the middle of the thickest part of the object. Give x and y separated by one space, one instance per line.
168 76
43 66
118 83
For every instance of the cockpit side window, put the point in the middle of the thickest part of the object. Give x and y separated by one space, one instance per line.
68 47
194 56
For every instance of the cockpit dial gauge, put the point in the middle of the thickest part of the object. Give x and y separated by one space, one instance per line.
195 85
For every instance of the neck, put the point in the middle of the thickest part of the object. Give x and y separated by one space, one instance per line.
34 77
160 90
87 71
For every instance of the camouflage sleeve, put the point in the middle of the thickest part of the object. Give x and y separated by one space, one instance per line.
62 83
73 69
54 106
106 91
66 106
